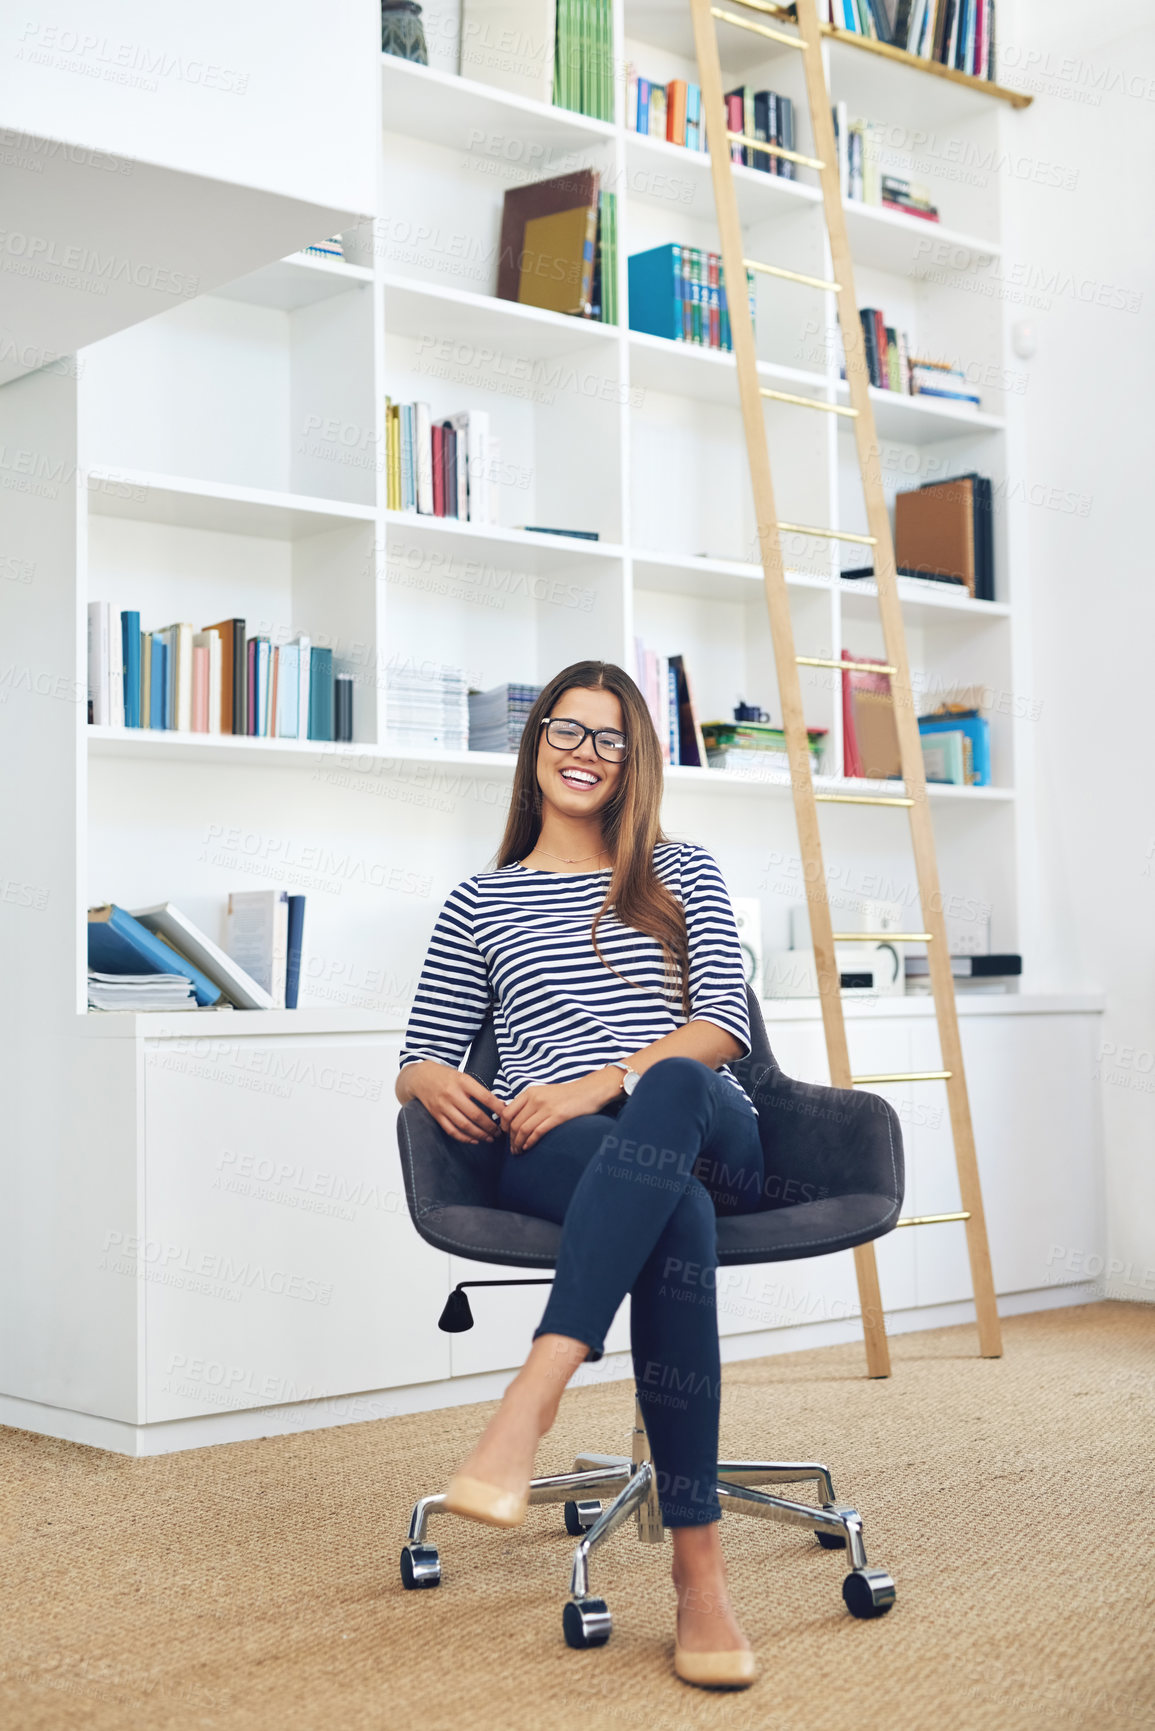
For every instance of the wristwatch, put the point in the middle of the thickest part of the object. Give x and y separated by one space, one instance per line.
630 1079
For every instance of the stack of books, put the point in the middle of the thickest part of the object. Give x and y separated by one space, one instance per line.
212 681
887 352
558 247
140 992
861 146
755 747
427 706
768 117
583 75
956 33
497 718
671 111
334 247
940 379
679 292
956 745
441 468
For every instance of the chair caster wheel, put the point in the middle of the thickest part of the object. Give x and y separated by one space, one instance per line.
420 1566
831 1541
580 1517
868 1592
587 1623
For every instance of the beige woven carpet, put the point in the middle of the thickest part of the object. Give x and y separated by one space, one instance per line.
256 1586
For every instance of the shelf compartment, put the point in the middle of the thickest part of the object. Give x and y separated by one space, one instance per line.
414 309
444 109
709 375
657 172
919 420
194 504
297 281
890 241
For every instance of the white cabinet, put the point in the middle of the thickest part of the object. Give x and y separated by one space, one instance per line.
278 1257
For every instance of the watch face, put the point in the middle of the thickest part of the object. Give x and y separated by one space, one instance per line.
630 1081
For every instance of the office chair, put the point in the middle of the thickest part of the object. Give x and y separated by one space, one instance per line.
835 1179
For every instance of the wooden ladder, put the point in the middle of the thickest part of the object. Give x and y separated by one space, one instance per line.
804 35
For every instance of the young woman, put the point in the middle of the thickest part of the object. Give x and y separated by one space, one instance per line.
612 963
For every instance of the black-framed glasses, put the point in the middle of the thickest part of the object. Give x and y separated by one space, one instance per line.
565 735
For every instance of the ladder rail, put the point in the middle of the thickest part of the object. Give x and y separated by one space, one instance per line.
952 1074
781 630
906 721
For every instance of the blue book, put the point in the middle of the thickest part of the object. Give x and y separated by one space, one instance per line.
977 729
321 694
694 139
130 650
118 944
158 691
655 282
293 953
643 106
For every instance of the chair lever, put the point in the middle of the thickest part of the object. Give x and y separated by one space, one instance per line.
457 1317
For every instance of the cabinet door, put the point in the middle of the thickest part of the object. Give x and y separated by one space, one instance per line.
1034 1109
279 1259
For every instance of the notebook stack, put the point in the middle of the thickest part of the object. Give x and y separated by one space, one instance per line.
497 718
140 992
428 706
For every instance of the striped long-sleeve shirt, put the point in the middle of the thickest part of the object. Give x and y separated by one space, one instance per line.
519 940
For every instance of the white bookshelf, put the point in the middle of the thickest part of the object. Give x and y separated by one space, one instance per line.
229 461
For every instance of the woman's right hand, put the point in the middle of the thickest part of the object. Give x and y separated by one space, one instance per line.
459 1103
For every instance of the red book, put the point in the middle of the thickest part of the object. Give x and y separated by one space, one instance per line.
438 438
880 339
734 123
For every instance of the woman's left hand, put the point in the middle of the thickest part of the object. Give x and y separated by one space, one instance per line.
544 1105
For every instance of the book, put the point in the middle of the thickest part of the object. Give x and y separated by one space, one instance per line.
934 530
130 651
974 728
557 261
1006 966
233 667
257 937
869 733
158 680
529 203
691 745
98 663
294 941
947 757
120 944
321 695
343 708
149 992
191 944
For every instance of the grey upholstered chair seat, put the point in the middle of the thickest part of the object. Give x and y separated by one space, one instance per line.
834 1173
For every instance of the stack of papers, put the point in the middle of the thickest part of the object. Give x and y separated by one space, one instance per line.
428 705
140 992
497 718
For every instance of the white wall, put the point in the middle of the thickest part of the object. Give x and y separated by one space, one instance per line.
1081 243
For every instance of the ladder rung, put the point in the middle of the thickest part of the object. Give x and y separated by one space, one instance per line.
772 11
818 282
830 534
844 666
902 1076
932 1219
806 402
883 938
860 799
758 29
773 149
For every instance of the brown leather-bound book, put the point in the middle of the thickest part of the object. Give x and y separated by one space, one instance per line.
232 636
934 531
577 191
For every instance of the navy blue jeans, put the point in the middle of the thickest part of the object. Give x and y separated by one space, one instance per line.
637 1193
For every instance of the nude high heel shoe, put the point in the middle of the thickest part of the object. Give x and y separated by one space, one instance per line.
479 1501
735 1669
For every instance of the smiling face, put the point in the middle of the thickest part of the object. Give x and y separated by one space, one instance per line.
578 783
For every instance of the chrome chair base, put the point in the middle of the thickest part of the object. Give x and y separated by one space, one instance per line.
631 1483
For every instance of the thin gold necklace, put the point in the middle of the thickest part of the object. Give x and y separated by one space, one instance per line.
565 858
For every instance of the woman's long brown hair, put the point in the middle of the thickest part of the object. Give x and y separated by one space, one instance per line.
631 826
